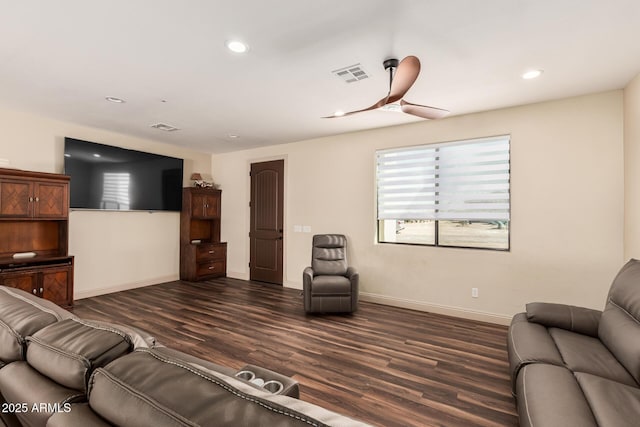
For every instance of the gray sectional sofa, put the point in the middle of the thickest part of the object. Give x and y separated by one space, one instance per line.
573 366
58 370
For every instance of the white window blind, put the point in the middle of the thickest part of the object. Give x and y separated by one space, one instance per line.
462 180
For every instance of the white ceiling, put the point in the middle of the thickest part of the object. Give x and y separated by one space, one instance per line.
62 58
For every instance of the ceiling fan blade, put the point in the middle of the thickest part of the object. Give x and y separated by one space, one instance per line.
422 110
404 77
375 106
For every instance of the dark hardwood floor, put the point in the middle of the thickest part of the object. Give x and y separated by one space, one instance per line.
383 365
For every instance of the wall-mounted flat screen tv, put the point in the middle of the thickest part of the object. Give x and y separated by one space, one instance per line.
104 177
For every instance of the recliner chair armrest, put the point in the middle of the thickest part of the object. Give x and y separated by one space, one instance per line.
576 319
307 276
354 278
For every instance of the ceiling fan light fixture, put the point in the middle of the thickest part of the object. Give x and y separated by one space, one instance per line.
532 74
236 46
395 108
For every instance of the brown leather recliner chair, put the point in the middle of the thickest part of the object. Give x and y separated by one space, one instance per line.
330 285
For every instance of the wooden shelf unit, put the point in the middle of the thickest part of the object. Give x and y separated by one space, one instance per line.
34 217
202 254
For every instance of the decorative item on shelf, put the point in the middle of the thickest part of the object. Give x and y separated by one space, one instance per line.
200 183
196 178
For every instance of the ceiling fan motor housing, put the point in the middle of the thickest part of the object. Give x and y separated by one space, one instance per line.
390 63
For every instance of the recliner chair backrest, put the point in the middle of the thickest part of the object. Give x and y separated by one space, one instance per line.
619 327
329 255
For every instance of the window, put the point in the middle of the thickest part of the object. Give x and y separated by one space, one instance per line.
454 194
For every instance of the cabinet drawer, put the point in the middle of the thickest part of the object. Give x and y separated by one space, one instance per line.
209 268
210 252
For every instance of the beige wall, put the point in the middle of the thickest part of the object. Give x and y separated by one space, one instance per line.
113 250
632 169
567 210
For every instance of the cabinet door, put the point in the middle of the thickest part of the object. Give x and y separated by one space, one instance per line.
51 200
205 206
55 285
212 206
197 205
25 281
16 198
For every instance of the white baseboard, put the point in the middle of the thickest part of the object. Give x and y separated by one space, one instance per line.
236 275
292 285
436 308
111 289
481 316
245 276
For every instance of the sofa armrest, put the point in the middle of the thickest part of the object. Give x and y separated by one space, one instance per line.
576 319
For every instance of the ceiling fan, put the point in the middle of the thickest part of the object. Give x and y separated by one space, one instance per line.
402 75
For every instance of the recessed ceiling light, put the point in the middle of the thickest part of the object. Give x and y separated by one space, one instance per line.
338 113
532 74
165 127
233 136
115 99
237 46
97 155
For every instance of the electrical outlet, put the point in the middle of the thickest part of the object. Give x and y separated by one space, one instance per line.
474 292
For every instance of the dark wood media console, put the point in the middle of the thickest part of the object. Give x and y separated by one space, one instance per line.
34 234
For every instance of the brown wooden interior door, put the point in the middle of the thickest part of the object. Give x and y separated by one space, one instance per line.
266 232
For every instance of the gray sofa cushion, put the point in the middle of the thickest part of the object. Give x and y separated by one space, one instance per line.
68 351
22 314
331 285
20 383
619 327
582 353
613 404
549 395
80 415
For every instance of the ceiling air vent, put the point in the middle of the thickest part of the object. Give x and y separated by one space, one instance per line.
165 127
351 74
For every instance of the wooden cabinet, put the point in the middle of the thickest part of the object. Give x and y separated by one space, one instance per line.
51 279
202 254
34 220
23 198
